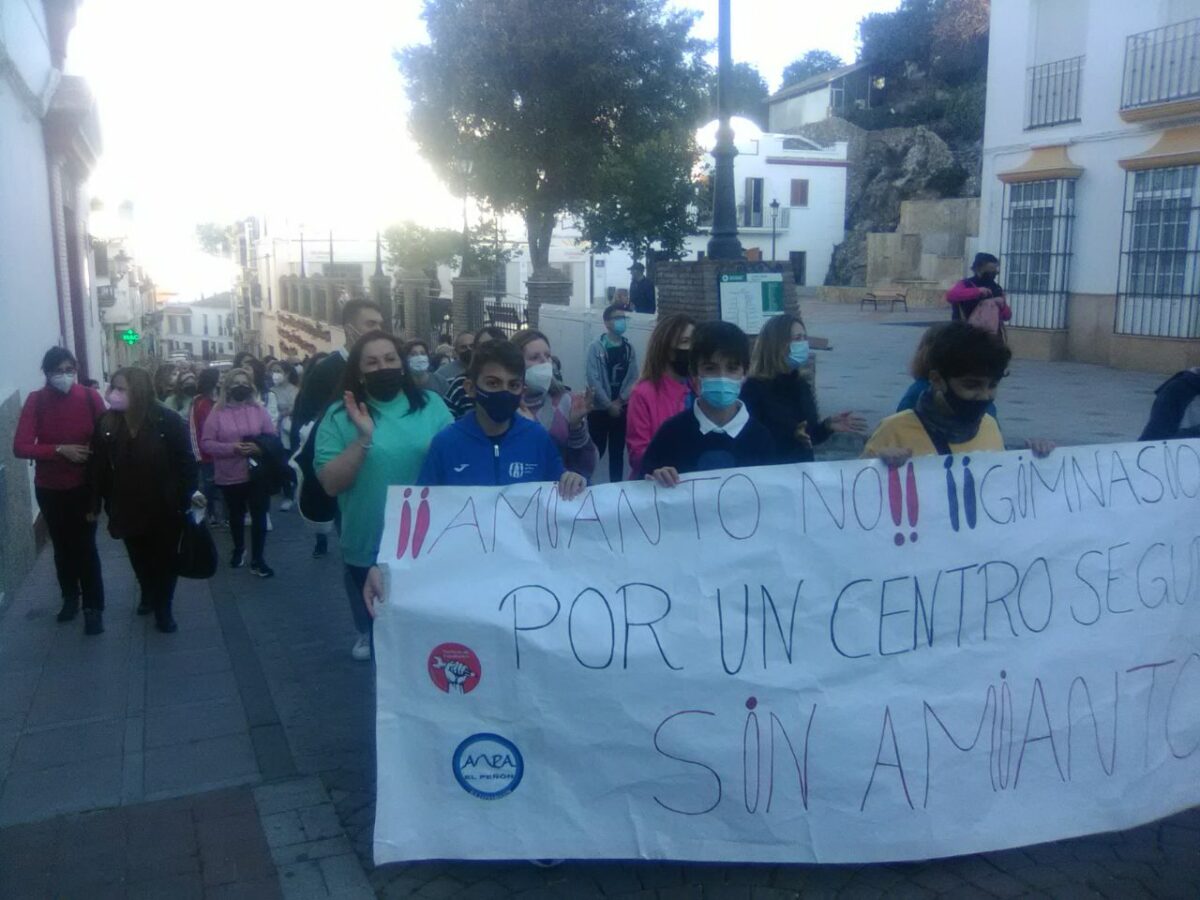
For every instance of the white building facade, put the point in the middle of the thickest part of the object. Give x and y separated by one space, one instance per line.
807 181
49 139
1091 178
201 330
817 98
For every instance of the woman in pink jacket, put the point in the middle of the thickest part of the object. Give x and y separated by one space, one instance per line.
979 300
229 434
663 389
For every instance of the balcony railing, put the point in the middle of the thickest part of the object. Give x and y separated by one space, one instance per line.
1052 93
1162 66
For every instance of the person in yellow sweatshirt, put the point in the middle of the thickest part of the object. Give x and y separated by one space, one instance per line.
965 368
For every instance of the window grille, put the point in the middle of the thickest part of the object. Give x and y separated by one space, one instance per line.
1159 284
1036 251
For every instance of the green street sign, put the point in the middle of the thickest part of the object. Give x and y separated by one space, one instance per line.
130 337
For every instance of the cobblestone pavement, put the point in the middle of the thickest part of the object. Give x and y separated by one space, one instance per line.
257 701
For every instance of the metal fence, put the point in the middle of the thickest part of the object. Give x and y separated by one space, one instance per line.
1052 93
1162 65
1159 283
1036 249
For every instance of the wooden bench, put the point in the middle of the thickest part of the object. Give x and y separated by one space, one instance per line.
892 296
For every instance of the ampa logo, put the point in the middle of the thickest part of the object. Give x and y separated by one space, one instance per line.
520 470
413 534
488 766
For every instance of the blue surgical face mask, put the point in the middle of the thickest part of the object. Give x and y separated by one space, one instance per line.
619 325
720 392
798 353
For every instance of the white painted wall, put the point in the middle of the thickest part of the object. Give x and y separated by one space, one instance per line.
1096 142
571 332
29 314
790 114
815 229
176 339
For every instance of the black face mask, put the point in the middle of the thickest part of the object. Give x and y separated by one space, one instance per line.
680 360
188 389
384 384
966 410
988 278
464 356
240 393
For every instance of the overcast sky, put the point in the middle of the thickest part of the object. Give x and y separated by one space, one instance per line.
296 110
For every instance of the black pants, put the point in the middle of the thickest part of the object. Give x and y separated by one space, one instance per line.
152 556
239 497
74 539
608 433
356 577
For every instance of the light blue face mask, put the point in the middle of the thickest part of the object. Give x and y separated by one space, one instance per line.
720 392
798 353
620 324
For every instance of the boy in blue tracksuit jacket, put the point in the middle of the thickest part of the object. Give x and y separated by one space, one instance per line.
492 445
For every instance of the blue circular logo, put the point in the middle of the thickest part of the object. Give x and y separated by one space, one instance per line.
488 766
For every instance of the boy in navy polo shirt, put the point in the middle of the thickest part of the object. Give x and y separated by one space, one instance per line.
718 431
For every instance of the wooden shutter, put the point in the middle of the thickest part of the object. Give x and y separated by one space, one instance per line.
799 192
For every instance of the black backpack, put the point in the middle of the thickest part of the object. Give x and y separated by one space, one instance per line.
315 506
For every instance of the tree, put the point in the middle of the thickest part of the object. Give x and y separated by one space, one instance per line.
814 62
748 93
892 39
647 196
536 94
218 240
415 248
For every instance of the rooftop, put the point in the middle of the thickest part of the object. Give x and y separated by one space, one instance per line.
814 82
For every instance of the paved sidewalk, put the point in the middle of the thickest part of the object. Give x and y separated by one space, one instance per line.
1069 403
128 761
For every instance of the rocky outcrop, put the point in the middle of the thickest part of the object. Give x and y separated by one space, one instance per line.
887 167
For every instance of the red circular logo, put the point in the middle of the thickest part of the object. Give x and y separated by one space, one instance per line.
454 668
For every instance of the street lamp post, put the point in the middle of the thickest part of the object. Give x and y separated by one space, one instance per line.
774 217
724 243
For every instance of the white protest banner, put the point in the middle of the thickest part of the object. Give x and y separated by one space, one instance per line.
831 663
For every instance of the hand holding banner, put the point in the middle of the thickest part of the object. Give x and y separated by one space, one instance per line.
834 663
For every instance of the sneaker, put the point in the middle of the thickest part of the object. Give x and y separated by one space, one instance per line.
320 548
165 623
285 506
144 608
238 560
246 519
262 570
70 609
361 650
547 863
93 621
270 524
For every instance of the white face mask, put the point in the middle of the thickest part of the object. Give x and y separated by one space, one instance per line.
62 381
277 378
418 363
539 377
